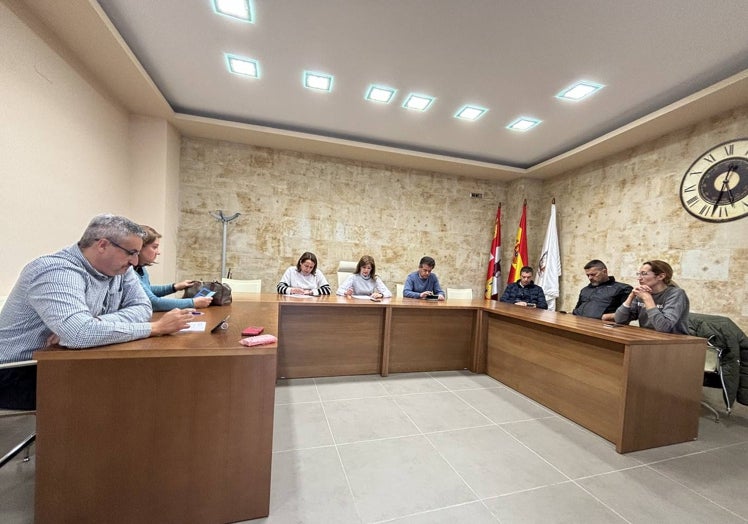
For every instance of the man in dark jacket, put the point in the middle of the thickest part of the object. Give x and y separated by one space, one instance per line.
524 292
602 296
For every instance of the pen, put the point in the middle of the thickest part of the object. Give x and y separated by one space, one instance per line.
196 312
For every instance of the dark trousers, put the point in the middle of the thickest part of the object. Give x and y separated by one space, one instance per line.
18 388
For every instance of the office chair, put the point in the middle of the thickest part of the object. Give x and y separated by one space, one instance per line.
243 286
463 293
714 376
399 290
25 444
345 269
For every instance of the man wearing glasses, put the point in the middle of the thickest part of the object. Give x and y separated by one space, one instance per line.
83 296
602 296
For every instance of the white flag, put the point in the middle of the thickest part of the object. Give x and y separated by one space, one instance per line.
549 265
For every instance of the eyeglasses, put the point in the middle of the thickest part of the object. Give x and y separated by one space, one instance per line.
642 274
130 252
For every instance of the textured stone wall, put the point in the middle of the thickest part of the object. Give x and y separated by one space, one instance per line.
338 209
624 210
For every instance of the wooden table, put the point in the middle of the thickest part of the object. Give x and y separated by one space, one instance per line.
171 429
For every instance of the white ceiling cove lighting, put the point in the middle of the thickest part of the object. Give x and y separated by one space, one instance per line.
523 124
243 66
318 81
418 102
579 91
239 9
471 113
380 94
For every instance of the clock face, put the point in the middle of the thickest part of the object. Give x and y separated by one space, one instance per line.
715 187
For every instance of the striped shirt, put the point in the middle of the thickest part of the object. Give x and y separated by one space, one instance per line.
316 282
63 294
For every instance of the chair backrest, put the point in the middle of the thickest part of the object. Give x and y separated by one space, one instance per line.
345 269
399 290
243 286
2 301
454 292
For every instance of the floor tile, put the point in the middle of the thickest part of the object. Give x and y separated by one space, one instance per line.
718 475
358 386
440 411
404 383
472 513
397 477
309 486
492 462
576 451
290 391
367 419
559 504
503 405
299 426
644 495
464 379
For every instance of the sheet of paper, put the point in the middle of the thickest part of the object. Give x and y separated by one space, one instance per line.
301 296
361 297
195 326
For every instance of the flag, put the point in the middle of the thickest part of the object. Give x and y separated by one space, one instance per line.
519 260
549 265
493 275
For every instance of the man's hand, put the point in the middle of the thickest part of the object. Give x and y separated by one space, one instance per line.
171 322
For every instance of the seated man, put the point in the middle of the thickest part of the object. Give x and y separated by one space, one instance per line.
603 294
423 283
82 296
524 292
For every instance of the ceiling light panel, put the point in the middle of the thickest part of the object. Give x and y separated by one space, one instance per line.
318 81
418 102
523 123
243 66
381 94
471 113
238 9
579 91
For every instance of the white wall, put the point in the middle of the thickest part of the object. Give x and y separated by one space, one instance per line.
64 153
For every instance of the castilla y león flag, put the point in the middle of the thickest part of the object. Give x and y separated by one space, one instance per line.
493 275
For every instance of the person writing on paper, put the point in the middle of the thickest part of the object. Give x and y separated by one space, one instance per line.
524 292
82 296
156 294
365 281
304 278
657 302
423 283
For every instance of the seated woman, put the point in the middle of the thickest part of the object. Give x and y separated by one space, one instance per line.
657 302
304 278
147 256
364 281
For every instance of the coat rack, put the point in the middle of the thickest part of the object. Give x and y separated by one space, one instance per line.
218 215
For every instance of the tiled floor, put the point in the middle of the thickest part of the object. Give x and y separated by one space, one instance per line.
453 447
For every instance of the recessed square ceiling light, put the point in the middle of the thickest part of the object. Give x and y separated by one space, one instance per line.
471 113
523 123
239 9
243 66
418 102
318 81
579 91
380 94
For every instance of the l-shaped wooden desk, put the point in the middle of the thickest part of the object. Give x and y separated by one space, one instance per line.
179 428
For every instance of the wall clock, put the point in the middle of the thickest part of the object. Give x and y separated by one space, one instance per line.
715 187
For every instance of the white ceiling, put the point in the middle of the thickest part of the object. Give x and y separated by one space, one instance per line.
656 58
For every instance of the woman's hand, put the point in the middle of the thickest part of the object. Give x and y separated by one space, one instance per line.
184 284
201 302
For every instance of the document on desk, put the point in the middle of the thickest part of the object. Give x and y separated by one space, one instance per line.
362 297
194 326
301 296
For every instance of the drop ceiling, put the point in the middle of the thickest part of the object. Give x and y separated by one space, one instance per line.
664 64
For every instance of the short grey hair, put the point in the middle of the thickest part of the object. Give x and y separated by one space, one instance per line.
113 227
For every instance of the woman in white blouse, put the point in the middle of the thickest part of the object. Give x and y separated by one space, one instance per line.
365 281
304 278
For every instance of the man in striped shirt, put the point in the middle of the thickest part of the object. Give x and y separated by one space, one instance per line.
83 296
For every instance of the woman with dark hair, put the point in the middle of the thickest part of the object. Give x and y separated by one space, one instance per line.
304 278
147 257
657 302
365 281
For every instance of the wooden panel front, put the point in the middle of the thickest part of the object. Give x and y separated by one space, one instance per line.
322 340
581 381
431 339
164 439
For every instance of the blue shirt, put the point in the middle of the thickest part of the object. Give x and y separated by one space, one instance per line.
415 285
63 294
156 294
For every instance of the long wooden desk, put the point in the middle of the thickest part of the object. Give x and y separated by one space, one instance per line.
171 429
179 428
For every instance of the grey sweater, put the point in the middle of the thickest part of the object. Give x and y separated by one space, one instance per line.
670 315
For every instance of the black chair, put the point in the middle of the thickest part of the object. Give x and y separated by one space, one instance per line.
714 376
25 444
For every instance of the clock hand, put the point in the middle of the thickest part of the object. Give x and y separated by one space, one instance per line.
725 185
